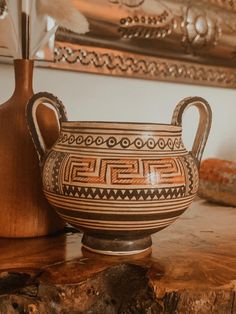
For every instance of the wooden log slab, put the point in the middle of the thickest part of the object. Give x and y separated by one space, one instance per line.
191 269
218 181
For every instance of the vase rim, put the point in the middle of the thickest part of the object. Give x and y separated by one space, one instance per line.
140 126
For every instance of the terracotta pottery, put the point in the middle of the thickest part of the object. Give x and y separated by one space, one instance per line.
119 182
24 211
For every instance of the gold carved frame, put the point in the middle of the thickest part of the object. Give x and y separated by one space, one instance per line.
187 41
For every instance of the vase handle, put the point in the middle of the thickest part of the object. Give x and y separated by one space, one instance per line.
204 124
52 102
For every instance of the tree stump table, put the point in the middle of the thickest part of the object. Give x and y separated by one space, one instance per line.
191 269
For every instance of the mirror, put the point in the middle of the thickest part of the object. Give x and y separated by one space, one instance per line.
180 41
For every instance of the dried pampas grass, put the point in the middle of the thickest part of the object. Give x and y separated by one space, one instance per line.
65 14
24 29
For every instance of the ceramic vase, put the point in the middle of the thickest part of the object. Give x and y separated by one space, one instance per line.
24 211
120 182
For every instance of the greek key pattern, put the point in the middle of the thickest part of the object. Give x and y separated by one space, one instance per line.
121 194
122 142
135 172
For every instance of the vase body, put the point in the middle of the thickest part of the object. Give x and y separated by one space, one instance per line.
24 211
119 182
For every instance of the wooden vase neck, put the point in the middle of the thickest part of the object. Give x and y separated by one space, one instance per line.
23 77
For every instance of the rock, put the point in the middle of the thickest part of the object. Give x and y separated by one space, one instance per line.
218 181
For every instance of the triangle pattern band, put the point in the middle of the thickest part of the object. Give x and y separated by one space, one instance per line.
124 194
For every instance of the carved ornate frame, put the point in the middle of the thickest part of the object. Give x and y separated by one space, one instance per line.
188 41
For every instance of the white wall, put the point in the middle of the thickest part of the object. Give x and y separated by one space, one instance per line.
94 97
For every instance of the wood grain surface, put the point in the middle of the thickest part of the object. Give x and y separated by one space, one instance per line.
191 269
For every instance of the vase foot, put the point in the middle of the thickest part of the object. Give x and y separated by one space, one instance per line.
115 245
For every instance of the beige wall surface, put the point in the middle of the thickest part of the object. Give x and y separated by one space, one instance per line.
104 98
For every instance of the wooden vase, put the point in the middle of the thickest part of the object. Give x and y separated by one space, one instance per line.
24 211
